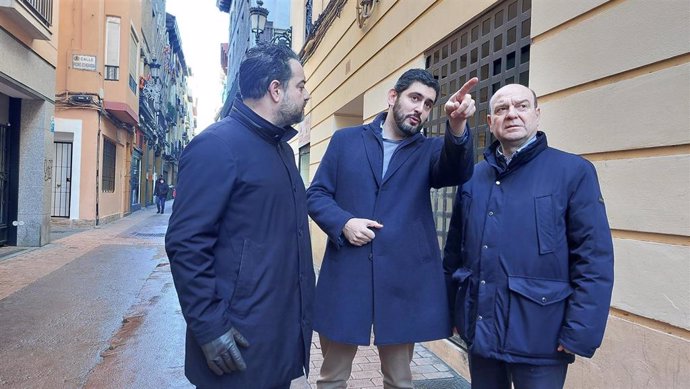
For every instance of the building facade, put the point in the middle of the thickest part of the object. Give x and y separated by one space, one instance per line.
97 112
591 63
121 102
28 43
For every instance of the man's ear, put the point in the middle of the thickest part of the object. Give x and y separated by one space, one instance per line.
392 96
275 90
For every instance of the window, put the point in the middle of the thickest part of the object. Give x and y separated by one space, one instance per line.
494 46
133 60
109 151
112 48
304 164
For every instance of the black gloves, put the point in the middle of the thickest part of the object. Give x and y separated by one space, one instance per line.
222 354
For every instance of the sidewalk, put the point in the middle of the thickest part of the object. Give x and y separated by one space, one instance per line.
428 372
137 337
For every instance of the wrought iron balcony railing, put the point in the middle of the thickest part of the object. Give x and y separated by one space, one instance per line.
42 9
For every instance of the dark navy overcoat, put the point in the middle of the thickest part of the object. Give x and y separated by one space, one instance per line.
239 249
394 283
529 257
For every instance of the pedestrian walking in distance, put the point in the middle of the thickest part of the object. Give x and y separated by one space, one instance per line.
529 256
382 268
161 193
238 238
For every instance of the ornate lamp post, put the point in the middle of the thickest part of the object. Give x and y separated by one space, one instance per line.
257 16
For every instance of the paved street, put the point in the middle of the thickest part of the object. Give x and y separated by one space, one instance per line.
97 308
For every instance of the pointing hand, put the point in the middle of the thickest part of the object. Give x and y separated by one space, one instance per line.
460 107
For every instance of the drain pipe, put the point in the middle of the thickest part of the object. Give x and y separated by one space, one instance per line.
98 159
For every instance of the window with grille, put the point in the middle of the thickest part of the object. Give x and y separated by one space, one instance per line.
109 151
495 47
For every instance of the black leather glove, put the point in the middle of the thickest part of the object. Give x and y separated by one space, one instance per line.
223 355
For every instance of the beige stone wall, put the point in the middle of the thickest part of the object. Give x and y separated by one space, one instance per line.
612 78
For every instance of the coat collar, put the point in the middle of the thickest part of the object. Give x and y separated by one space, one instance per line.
373 144
259 125
530 152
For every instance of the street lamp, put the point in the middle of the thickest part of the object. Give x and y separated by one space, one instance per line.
155 68
257 16
152 89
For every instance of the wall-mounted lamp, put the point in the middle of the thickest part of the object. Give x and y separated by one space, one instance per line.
257 16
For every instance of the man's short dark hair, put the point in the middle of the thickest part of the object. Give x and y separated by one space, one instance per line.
261 65
416 75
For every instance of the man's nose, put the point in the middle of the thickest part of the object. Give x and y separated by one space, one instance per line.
306 95
512 111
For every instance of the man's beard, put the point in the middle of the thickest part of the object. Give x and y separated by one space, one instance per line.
290 114
399 117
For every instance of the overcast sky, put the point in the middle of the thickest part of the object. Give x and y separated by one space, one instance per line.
203 27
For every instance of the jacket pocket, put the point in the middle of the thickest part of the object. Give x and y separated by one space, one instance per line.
245 283
546 223
424 251
535 315
462 311
466 203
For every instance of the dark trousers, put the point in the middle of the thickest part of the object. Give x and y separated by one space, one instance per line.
487 373
160 203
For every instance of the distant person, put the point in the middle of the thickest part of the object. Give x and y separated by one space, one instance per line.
238 238
382 267
161 193
529 257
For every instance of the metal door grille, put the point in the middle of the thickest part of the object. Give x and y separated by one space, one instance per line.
62 179
495 47
4 182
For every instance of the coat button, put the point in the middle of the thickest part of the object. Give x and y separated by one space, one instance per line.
371 256
482 282
485 247
543 299
299 232
491 213
479 317
498 182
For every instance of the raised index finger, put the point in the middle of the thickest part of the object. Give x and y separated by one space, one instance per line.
469 85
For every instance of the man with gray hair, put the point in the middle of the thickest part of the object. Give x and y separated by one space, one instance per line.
529 256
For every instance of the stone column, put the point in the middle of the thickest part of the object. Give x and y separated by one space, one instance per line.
35 173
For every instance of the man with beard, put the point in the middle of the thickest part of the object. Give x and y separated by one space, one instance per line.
382 267
238 238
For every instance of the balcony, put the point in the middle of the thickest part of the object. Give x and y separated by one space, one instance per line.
33 16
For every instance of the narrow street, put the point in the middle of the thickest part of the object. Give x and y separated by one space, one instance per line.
97 308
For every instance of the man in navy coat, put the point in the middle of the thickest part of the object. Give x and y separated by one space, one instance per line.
382 266
529 257
238 238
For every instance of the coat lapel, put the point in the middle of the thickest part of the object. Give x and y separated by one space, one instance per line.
402 154
374 151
